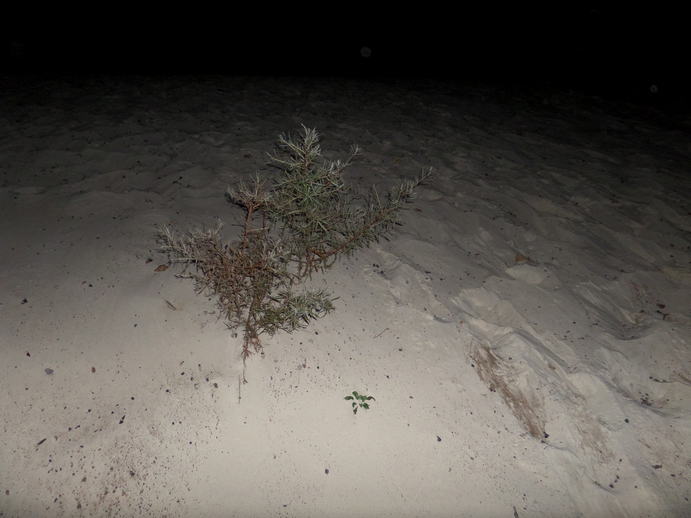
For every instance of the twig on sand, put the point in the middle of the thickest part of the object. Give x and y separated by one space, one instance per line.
384 331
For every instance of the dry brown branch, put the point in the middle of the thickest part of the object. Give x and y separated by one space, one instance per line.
492 370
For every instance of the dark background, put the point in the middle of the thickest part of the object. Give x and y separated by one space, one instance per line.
633 52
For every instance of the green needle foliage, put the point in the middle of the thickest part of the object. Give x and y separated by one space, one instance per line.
295 225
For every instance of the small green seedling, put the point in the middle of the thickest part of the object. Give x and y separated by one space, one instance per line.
359 401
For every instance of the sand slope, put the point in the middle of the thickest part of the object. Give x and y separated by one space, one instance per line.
526 333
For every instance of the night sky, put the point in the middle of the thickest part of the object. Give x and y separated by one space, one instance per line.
582 46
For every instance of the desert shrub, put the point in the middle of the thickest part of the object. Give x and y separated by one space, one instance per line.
299 223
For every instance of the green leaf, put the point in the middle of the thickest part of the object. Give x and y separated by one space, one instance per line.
348 398
354 404
356 394
355 410
370 397
365 405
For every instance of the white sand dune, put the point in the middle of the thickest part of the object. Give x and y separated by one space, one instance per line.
526 333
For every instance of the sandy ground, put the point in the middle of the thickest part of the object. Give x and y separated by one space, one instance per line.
526 333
